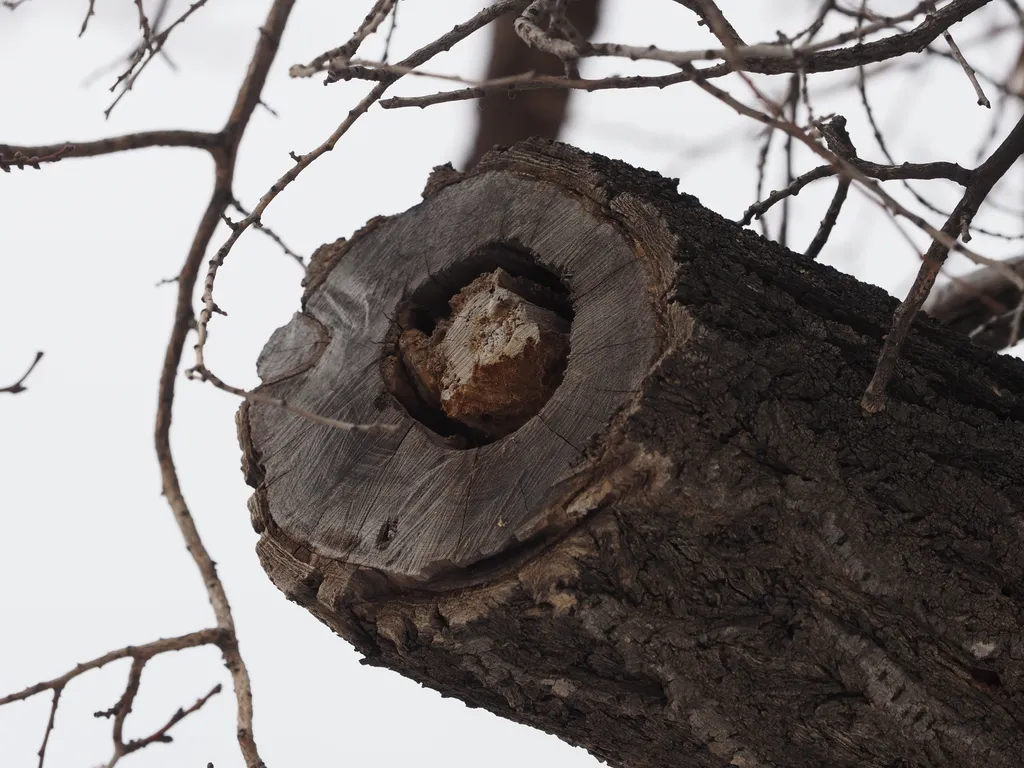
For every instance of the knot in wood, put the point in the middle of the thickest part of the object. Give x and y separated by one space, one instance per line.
495 362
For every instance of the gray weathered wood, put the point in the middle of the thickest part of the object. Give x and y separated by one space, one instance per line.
424 506
702 552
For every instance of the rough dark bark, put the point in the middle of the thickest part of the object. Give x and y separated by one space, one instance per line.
714 558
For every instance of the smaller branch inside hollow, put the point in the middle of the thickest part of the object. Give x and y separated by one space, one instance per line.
495 361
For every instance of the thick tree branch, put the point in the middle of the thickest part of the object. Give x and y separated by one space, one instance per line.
514 67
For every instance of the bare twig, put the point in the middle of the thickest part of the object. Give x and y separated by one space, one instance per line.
792 100
161 734
30 159
145 53
200 370
11 154
202 374
147 33
829 220
49 724
340 56
771 59
524 82
936 170
19 385
245 103
213 636
968 70
711 16
985 178
89 13
126 59
269 233
391 32
140 655
850 171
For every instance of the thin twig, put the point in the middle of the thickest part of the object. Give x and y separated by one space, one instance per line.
245 103
340 56
146 53
923 171
202 374
212 636
968 70
271 234
147 32
792 100
985 178
775 58
711 15
829 220
160 735
200 370
19 385
11 153
391 32
852 172
49 724
21 160
89 13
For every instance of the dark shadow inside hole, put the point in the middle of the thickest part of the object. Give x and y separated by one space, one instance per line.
429 304
985 676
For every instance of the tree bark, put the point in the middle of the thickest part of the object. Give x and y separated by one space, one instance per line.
699 551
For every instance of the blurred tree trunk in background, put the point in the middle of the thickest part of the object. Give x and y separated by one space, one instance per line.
508 118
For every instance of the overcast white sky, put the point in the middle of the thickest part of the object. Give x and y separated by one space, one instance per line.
90 558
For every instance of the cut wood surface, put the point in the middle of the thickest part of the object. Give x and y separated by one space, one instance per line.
697 550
